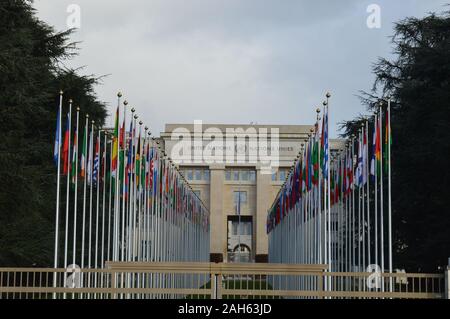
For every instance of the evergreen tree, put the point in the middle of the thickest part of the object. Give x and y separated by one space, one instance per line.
418 81
31 75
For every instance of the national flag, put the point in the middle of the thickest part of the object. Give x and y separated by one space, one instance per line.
83 154
65 154
378 149
315 158
359 169
73 173
388 141
365 159
324 143
96 160
115 150
374 149
138 161
90 157
57 147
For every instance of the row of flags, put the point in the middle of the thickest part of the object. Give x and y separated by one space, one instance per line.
335 206
348 170
310 169
135 205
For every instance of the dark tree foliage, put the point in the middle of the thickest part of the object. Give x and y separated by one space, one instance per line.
418 81
31 76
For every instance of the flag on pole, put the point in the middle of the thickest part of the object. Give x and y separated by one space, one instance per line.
65 154
73 173
359 169
365 158
325 144
374 149
89 162
57 137
115 150
83 153
378 148
96 161
388 141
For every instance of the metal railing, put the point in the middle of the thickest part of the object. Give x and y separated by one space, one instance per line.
211 281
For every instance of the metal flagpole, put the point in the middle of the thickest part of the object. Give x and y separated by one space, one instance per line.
104 168
381 193
58 176
375 173
75 177
328 95
389 192
66 238
84 172
108 247
125 191
97 208
90 181
366 177
90 178
117 211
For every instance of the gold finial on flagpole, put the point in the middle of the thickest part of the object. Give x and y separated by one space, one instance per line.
125 102
119 94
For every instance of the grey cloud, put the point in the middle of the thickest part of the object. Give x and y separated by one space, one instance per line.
232 60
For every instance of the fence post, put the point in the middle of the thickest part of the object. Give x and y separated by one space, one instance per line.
114 284
447 281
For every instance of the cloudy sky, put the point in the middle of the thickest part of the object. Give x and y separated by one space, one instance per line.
232 61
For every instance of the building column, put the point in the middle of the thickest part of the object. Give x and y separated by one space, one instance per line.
262 206
217 234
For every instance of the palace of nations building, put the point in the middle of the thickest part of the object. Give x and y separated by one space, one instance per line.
238 196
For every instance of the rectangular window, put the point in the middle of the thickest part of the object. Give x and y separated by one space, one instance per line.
282 175
274 177
235 175
198 175
243 198
244 175
189 175
206 175
228 175
252 176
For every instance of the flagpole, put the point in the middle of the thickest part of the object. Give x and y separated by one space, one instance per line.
66 239
57 189
108 247
97 207
389 134
366 176
116 219
84 172
90 174
375 169
124 187
76 191
328 95
381 193
104 167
